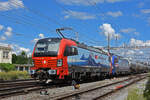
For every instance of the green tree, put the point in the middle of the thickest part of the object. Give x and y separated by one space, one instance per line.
23 54
14 58
21 58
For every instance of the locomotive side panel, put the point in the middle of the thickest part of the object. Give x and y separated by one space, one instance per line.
88 58
88 64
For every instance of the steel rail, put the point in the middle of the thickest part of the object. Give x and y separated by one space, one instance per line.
13 89
88 90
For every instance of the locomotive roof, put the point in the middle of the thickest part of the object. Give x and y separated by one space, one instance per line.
49 39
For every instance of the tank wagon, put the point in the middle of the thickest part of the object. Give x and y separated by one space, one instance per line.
62 58
137 67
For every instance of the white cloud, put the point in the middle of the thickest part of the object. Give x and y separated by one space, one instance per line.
24 49
2 38
9 29
108 30
136 15
145 11
79 15
87 3
128 30
1 27
141 4
141 52
7 32
115 14
130 52
136 33
81 2
11 4
113 1
4 44
36 39
18 49
41 35
134 42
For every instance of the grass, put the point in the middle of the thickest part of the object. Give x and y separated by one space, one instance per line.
13 75
135 94
147 90
140 93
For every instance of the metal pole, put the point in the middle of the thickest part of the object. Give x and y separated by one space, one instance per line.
108 43
116 41
110 72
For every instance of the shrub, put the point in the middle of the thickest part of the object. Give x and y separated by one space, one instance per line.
13 75
134 94
147 90
7 67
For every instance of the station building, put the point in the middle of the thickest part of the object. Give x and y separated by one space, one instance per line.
6 57
23 67
5 54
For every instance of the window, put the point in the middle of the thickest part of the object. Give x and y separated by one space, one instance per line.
47 48
21 69
26 68
70 51
5 54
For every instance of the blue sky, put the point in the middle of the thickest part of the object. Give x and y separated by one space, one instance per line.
22 22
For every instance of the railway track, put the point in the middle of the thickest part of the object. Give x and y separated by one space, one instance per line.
98 92
17 87
10 88
18 80
13 88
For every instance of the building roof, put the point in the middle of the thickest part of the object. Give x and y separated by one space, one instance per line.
5 46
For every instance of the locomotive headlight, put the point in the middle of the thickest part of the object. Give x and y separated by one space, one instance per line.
59 62
32 72
44 61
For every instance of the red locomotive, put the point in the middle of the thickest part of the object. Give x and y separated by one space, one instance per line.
63 58
49 57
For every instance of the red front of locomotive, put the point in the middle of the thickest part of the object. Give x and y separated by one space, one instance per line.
49 59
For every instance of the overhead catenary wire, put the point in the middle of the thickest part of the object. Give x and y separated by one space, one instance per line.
64 9
26 20
93 3
38 13
35 12
23 22
89 39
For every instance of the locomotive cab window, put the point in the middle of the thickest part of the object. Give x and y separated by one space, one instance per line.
46 48
70 51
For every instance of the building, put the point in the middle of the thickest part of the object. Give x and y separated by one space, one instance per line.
23 67
5 54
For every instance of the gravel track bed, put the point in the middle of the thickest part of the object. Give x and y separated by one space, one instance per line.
55 91
123 93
